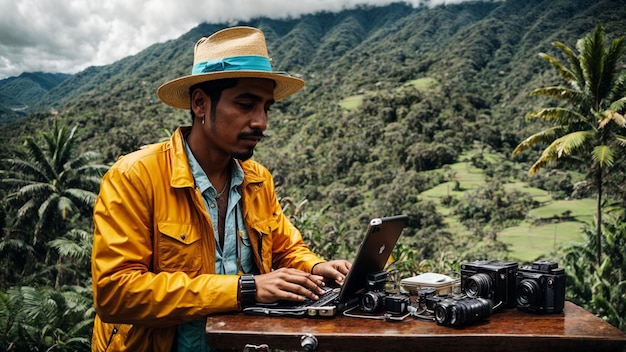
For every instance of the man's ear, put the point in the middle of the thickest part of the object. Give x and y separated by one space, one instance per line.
198 100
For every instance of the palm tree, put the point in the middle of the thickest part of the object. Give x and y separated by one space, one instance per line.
46 319
74 251
48 189
593 131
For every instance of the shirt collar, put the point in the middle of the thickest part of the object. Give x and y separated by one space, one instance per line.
200 178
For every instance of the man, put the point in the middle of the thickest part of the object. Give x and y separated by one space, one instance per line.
192 226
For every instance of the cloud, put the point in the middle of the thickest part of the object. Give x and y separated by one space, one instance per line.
70 35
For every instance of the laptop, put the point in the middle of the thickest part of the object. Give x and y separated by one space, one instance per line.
380 238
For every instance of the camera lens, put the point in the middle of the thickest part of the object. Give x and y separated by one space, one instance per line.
441 314
456 312
478 285
486 307
462 311
371 302
527 292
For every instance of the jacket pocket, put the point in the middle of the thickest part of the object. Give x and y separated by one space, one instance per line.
264 230
179 247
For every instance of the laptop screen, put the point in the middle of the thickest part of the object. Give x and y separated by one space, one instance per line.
373 253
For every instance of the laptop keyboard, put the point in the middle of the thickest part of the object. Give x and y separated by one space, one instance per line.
329 295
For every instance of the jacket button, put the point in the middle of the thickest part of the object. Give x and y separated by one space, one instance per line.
182 236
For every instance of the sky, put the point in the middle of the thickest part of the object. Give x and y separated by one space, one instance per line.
67 36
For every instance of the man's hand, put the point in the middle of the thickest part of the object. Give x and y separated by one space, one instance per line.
334 270
287 284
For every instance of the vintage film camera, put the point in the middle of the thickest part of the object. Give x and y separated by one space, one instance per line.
375 299
490 279
457 310
541 288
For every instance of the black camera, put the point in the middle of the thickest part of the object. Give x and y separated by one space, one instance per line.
541 287
456 311
372 300
490 279
375 299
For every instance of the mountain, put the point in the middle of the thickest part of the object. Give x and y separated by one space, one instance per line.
19 93
393 94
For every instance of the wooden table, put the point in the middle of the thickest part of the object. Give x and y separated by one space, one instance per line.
509 330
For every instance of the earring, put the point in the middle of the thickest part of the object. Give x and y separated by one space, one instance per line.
203 120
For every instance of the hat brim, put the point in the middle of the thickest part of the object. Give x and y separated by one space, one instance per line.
176 92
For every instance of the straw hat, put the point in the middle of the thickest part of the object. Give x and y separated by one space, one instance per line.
237 52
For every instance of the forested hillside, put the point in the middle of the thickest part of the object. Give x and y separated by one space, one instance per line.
405 110
18 94
375 158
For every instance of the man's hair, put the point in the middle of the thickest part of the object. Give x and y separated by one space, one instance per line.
214 90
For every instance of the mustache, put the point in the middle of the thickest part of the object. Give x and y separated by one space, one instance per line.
254 133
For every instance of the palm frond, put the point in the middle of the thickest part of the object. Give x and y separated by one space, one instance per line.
65 207
618 90
15 245
618 105
32 191
84 159
81 196
91 170
545 136
562 71
621 140
574 62
15 183
571 142
65 145
540 164
27 208
46 208
562 93
25 168
603 155
592 55
38 156
559 116
611 60
561 147
75 246
90 183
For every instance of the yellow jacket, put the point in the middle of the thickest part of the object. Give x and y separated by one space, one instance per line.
153 261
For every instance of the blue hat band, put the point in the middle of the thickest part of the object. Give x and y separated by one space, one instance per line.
235 63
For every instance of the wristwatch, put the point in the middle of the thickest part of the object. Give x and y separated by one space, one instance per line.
247 290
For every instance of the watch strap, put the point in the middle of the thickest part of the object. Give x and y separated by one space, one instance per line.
247 290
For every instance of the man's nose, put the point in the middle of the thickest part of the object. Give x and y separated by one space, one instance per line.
259 120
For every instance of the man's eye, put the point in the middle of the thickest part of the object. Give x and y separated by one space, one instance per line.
245 106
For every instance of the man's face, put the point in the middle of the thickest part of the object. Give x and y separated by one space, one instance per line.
240 117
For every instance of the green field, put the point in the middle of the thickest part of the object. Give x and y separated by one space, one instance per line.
352 102
527 241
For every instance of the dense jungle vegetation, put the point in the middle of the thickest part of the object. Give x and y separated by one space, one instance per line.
406 110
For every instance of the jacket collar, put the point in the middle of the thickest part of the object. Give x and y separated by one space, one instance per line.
181 172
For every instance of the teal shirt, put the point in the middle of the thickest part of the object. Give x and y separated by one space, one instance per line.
191 336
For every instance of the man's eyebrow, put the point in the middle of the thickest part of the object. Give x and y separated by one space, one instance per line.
254 97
